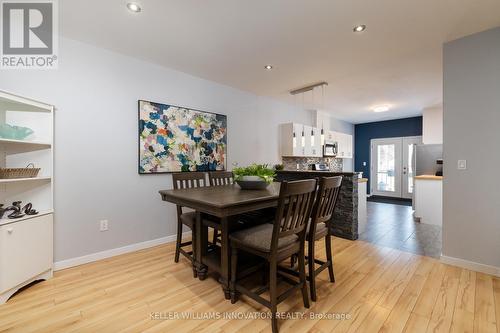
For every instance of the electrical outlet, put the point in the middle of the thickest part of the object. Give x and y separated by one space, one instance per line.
462 165
103 225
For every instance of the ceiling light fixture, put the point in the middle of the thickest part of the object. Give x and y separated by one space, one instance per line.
381 108
134 7
268 67
359 28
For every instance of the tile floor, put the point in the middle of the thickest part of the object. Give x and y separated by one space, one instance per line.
393 226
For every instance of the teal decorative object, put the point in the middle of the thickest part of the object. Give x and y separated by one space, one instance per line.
14 132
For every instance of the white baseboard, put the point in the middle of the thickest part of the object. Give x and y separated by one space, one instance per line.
67 263
473 266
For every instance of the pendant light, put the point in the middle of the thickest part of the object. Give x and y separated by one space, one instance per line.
312 137
303 137
322 135
294 140
323 106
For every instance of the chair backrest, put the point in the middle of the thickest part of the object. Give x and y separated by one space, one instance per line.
221 178
326 199
184 180
294 209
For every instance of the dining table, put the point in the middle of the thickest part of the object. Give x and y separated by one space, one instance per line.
226 203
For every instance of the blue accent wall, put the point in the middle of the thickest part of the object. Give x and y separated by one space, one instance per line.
363 133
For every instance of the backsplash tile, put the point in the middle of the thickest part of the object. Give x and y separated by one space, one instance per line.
290 163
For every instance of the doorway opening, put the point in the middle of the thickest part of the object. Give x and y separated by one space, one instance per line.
390 220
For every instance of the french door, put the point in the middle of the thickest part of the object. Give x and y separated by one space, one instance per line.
393 166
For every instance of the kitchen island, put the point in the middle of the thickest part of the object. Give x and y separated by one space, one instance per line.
346 215
428 199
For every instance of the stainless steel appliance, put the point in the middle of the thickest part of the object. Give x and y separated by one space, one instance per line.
330 149
428 159
320 167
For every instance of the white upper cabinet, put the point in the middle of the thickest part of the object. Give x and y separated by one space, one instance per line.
344 143
290 140
299 140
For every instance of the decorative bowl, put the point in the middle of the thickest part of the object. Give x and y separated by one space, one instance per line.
252 183
14 132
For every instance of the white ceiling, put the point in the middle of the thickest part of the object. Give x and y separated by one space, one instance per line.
396 61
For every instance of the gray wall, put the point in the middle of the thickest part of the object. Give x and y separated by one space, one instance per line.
342 126
471 206
95 93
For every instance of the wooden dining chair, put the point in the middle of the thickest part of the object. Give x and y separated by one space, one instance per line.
184 180
319 227
218 178
275 243
221 178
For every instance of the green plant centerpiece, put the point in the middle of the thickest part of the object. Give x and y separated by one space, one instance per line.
254 177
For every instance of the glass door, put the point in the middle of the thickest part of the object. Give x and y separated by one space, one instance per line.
393 166
386 167
409 144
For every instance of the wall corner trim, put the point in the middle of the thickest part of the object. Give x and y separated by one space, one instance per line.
72 262
474 266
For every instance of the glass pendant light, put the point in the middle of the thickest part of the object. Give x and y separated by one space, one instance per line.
322 135
303 137
312 137
294 140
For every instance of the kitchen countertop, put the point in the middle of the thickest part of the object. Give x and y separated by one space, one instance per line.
429 177
319 172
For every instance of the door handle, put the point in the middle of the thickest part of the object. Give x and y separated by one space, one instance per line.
10 231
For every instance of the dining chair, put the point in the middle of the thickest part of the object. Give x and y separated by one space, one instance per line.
275 243
319 227
218 178
184 180
221 178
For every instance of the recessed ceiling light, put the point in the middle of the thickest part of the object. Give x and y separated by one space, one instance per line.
359 28
381 108
268 67
134 7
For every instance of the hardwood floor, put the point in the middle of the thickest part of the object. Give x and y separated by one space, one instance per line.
380 289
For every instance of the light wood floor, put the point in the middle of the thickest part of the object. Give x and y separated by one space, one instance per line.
381 289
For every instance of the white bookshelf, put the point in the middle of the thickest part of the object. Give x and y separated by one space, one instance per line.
26 243
16 180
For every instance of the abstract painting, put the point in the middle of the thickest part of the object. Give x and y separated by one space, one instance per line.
173 138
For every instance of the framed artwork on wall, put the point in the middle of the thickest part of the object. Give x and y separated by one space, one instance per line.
174 138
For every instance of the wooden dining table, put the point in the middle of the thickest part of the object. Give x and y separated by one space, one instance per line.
226 203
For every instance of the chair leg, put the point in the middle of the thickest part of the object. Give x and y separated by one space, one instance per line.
178 241
216 234
312 270
193 244
303 278
273 293
329 256
293 260
234 271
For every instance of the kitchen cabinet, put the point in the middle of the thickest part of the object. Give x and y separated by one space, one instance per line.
293 145
299 140
344 145
428 199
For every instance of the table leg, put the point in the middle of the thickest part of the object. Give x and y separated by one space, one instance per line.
225 260
201 244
